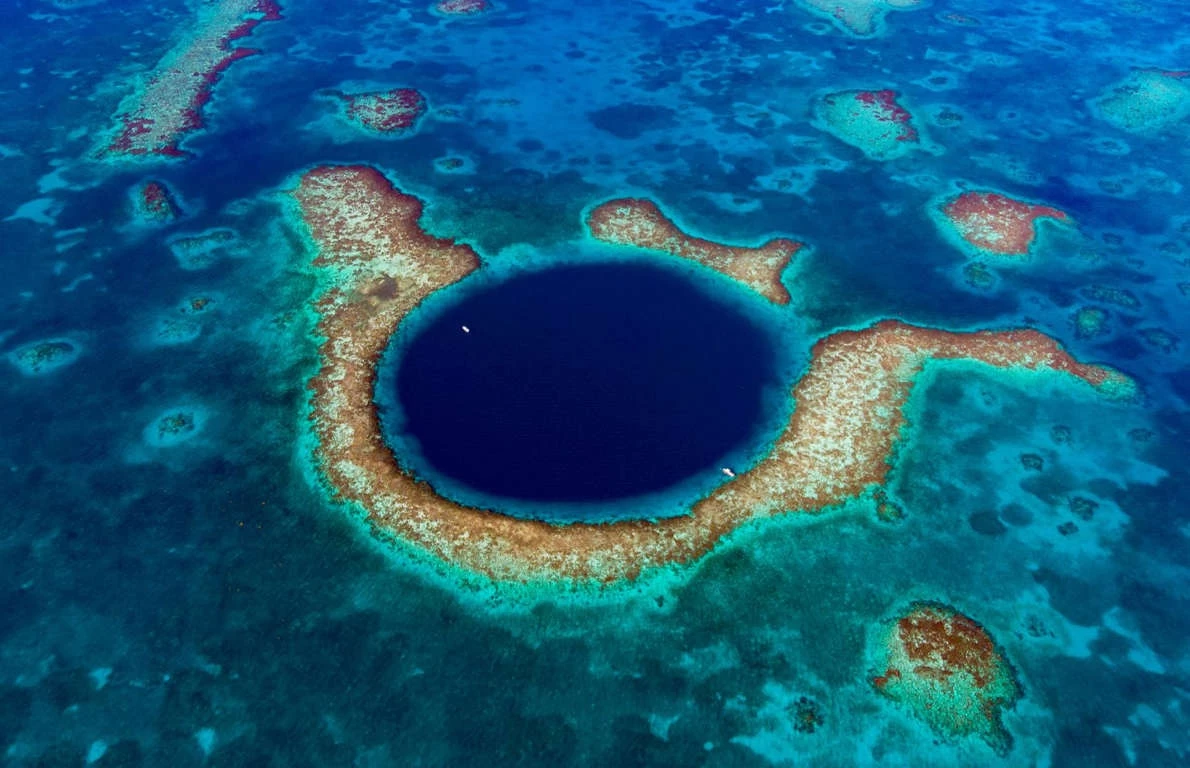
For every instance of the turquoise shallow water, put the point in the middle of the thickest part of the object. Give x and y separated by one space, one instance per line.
178 589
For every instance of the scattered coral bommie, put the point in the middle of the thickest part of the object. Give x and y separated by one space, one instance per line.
946 669
871 121
168 104
993 223
392 113
641 223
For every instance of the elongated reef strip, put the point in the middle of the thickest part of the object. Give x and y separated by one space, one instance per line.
381 264
642 224
169 103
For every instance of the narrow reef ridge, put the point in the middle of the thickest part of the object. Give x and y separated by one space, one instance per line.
168 104
380 264
994 223
641 223
947 671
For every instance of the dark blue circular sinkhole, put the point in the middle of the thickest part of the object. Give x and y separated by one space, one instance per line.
578 385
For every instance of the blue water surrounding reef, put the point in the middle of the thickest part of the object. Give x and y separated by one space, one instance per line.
582 384
179 588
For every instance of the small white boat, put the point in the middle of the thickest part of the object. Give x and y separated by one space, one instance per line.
466 329
727 471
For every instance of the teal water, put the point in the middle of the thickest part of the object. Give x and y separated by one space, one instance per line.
176 588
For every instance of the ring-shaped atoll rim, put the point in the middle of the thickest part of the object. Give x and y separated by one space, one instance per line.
379 265
675 377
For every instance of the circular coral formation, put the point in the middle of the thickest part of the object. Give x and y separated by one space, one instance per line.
993 223
640 223
871 121
169 103
860 18
391 113
380 264
947 671
38 358
1146 102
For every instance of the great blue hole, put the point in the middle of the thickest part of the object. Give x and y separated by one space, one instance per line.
553 394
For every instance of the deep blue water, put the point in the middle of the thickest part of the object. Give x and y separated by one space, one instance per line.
582 383
206 602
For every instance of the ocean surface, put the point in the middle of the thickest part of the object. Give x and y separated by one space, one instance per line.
179 586
576 389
